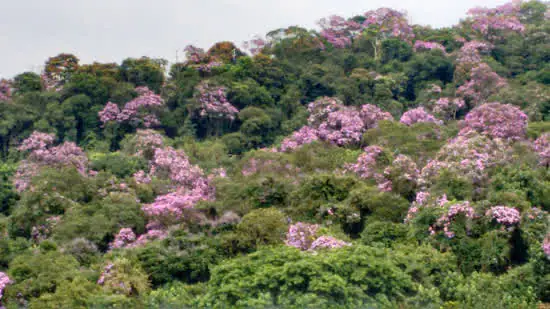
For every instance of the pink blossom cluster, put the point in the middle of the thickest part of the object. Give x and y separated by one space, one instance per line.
471 51
342 125
213 102
137 111
146 142
483 83
301 235
448 107
124 237
43 154
504 215
174 165
153 233
418 115
195 54
5 90
368 165
37 141
371 115
490 21
306 135
423 45
141 177
545 246
169 208
389 23
402 168
542 148
444 222
338 31
424 199
328 242
106 273
496 120
468 156
4 282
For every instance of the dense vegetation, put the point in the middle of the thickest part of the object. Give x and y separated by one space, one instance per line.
370 164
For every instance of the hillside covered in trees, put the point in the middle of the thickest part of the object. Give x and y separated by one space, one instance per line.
369 163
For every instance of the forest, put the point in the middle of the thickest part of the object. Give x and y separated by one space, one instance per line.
368 163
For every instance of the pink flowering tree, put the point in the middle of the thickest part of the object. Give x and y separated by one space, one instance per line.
497 121
342 125
542 148
447 108
5 90
418 115
338 31
213 102
507 216
328 242
423 46
546 246
385 23
454 212
143 143
137 112
483 83
4 282
470 156
301 235
305 135
124 238
41 153
493 22
469 57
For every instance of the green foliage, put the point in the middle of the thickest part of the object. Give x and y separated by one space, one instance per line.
118 164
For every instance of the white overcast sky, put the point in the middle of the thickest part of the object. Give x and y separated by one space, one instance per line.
111 30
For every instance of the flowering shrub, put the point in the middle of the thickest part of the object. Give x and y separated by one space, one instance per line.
301 235
328 242
444 222
368 165
338 31
483 83
504 215
213 102
502 18
546 246
497 121
124 237
4 281
43 154
423 45
305 135
471 52
447 107
389 23
418 115
542 148
5 90
468 156
137 111
331 121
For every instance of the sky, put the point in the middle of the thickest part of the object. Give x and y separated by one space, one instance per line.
112 30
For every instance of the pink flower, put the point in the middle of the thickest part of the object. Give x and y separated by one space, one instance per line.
4 281
124 238
301 235
504 215
418 115
497 121
328 242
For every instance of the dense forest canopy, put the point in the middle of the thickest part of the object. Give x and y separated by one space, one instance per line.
370 163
